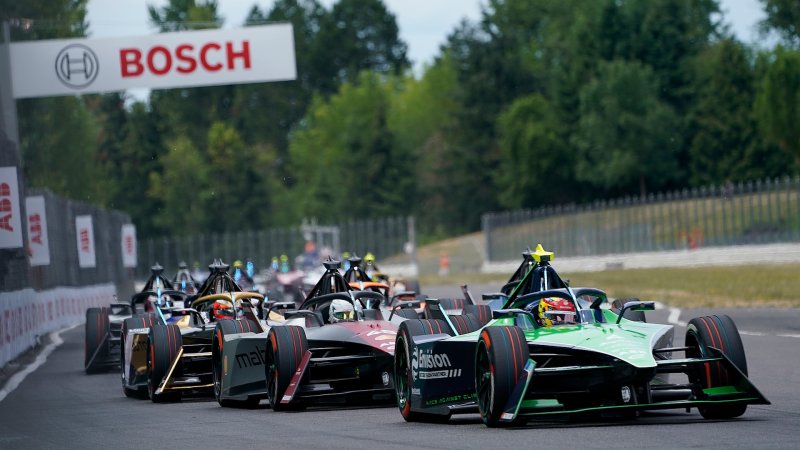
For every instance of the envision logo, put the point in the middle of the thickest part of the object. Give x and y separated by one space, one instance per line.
426 359
77 66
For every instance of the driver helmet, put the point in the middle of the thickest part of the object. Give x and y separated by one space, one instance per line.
341 311
223 310
554 311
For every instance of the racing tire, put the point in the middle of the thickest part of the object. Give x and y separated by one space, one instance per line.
132 323
97 330
500 358
465 323
402 366
286 346
226 327
718 331
636 316
452 303
481 312
164 344
413 286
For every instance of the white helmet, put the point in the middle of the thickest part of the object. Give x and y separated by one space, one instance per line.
341 311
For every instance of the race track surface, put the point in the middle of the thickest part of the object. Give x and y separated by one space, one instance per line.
59 406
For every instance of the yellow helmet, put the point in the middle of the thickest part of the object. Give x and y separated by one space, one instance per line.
369 258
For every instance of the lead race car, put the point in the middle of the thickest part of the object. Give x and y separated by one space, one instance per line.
555 350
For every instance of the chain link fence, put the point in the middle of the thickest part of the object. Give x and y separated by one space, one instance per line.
759 212
390 238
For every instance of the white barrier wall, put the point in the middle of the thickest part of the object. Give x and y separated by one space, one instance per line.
26 314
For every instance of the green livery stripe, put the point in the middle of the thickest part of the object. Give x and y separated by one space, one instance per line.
722 390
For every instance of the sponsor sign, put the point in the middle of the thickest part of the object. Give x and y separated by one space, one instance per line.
10 222
166 60
129 256
426 365
38 245
85 235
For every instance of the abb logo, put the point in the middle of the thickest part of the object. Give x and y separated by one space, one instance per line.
129 245
5 207
185 58
85 240
35 221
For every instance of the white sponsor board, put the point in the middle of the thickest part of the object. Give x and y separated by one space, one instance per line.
129 256
85 237
10 222
26 314
38 244
167 60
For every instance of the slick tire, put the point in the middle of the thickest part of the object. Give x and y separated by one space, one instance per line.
286 346
164 344
481 312
465 323
132 323
96 344
451 303
403 380
720 332
224 328
500 357
636 316
406 313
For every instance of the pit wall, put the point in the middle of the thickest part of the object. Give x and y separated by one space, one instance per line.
25 315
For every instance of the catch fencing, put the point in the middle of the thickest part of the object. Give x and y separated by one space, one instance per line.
389 239
758 212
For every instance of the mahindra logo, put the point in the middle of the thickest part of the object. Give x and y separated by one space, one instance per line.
77 66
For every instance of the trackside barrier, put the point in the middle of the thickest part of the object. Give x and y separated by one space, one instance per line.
26 314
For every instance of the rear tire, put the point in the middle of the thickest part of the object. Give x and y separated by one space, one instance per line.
465 323
164 343
481 312
97 330
132 323
500 357
718 331
406 313
451 303
402 366
226 327
286 346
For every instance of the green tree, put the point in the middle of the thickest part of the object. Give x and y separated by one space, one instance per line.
626 136
181 15
778 102
783 16
357 35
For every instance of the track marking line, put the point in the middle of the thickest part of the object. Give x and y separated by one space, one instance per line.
19 377
753 333
675 316
796 336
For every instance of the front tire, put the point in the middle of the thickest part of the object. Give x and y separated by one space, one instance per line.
132 323
402 366
164 344
226 327
718 331
286 346
500 358
97 329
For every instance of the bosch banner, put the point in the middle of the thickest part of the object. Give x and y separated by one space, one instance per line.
167 60
10 222
38 245
85 234
129 245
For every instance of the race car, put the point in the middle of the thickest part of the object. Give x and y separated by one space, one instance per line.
337 347
103 328
170 352
555 350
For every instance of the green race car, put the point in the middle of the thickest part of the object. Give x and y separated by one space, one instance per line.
557 350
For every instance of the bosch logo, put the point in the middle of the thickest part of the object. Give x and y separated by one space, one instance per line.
77 66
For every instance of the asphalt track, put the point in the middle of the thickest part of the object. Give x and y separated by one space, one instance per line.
58 406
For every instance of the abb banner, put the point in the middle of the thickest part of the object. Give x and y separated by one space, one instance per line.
26 314
129 245
38 245
167 60
10 223
85 234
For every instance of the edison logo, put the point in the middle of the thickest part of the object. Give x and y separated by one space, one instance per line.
77 66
